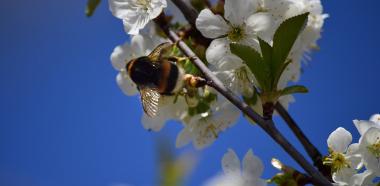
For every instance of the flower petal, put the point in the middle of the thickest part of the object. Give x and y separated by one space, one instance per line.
364 178
251 41
219 52
354 157
157 7
142 44
375 118
339 140
211 25
137 23
120 56
343 176
136 15
226 115
237 11
154 124
262 25
183 138
226 180
126 84
120 8
370 159
363 126
252 166
231 163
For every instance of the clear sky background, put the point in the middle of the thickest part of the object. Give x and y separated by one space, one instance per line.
64 121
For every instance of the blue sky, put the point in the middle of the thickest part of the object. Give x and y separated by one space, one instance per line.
64 121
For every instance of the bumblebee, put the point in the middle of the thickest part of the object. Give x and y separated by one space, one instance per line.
158 74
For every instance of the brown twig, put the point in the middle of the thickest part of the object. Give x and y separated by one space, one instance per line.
191 14
311 150
267 125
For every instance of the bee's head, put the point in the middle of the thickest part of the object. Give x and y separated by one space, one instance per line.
143 72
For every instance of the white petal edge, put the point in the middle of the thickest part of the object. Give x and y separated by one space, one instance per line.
126 84
120 56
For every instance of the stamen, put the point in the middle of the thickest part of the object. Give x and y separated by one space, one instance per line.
236 34
375 148
337 161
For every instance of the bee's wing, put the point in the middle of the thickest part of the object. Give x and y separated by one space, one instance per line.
149 100
159 51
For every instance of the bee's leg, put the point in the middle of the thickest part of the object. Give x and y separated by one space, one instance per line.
177 59
195 81
177 94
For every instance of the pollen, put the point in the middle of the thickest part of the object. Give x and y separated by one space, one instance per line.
144 3
374 149
337 161
236 34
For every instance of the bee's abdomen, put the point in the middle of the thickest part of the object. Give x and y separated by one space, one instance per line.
170 74
144 72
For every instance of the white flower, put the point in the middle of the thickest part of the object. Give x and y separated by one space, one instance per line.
203 129
369 148
243 24
247 175
343 157
136 13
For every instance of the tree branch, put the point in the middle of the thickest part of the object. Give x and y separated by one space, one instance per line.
188 11
267 125
191 14
311 150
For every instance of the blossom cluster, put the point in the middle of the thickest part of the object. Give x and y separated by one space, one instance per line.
202 111
355 164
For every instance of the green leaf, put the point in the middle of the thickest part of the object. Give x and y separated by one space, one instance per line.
284 39
266 50
91 7
276 78
286 35
294 89
255 63
246 53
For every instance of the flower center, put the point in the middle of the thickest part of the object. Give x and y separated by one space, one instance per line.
145 4
241 73
337 161
236 34
375 148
